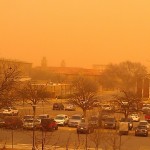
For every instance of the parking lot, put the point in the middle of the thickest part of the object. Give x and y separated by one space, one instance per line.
67 136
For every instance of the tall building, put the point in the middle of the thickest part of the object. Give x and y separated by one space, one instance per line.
63 63
44 63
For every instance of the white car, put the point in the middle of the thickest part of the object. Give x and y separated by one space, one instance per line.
30 123
75 120
106 107
28 117
144 123
145 109
70 107
61 119
9 111
135 117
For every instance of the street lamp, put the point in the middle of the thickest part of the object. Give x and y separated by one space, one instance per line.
33 135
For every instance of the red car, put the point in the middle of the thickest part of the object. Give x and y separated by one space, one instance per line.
49 124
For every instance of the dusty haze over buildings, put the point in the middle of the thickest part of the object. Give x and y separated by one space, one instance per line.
81 32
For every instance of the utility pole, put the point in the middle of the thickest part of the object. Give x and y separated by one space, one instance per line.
33 133
86 142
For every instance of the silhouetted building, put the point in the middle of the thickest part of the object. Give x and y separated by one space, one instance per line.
63 63
44 63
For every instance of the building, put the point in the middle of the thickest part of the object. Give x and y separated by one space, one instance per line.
23 67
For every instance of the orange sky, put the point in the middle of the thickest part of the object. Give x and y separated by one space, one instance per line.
82 32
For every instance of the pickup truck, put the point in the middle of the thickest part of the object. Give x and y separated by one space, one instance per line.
9 111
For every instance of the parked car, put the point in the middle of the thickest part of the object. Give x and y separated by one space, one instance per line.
9 111
104 116
85 127
70 107
27 117
62 119
31 123
49 124
94 121
147 116
110 123
145 109
144 123
2 122
75 120
107 107
96 103
130 122
123 128
141 130
58 106
135 117
13 122
42 116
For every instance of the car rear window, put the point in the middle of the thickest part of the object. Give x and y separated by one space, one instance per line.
76 117
59 117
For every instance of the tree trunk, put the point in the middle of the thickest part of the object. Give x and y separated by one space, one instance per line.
84 113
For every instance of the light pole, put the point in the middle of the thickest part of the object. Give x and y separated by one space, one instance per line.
33 134
86 141
120 141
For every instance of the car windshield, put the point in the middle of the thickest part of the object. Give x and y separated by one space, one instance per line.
143 123
141 127
83 124
126 119
110 119
29 121
59 117
76 117
41 117
106 105
93 119
134 114
69 105
56 104
28 117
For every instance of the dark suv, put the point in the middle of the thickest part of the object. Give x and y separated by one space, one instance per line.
58 106
85 127
110 123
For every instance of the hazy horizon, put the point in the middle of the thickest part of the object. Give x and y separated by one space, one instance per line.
82 33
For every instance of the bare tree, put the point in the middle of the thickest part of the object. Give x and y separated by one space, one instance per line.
9 75
122 76
85 93
127 102
33 94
